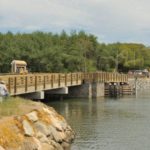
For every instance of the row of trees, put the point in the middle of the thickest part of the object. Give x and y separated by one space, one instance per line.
48 52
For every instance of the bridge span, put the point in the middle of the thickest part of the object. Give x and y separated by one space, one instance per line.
37 82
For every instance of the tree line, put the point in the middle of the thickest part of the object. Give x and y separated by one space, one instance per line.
74 52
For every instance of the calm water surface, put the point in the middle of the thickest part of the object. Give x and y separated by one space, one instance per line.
108 124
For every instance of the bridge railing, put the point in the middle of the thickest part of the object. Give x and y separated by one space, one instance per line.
19 84
105 77
133 76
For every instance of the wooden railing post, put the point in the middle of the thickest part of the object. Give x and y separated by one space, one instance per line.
9 85
15 85
107 76
52 80
71 79
44 82
104 76
100 76
59 80
35 83
65 79
26 83
77 77
94 77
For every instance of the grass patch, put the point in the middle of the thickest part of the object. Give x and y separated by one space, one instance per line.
13 106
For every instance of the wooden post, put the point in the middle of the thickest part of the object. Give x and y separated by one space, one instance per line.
44 82
52 82
59 80
26 83
71 78
65 79
102 76
105 78
35 83
15 85
9 85
77 77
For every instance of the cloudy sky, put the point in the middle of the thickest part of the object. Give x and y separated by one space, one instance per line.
110 20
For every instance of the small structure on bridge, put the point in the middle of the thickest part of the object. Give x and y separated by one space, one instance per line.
19 67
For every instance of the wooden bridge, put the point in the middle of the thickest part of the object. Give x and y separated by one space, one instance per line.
21 84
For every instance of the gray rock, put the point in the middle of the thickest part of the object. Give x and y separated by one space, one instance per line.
47 147
42 137
59 125
28 130
66 146
70 136
32 116
56 145
37 143
68 128
39 135
31 144
42 127
50 112
58 136
63 125
62 135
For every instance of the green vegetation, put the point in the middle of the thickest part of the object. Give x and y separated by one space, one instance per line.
14 106
48 52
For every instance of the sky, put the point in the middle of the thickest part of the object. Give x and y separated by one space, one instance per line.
109 20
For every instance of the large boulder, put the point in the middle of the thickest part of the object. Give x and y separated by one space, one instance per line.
28 129
41 129
32 116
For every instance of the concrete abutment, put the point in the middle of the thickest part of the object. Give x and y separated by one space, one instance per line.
98 89
87 90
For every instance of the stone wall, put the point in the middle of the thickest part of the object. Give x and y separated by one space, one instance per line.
41 129
140 83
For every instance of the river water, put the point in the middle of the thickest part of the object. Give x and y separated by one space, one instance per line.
108 123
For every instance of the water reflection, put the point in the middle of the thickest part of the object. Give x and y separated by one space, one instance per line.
108 124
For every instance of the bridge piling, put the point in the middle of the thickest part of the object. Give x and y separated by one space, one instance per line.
97 89
80 91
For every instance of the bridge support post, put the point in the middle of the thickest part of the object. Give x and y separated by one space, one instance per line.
35 95
81 91
98 89
87 90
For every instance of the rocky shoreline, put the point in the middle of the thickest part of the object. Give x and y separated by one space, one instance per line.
40 129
